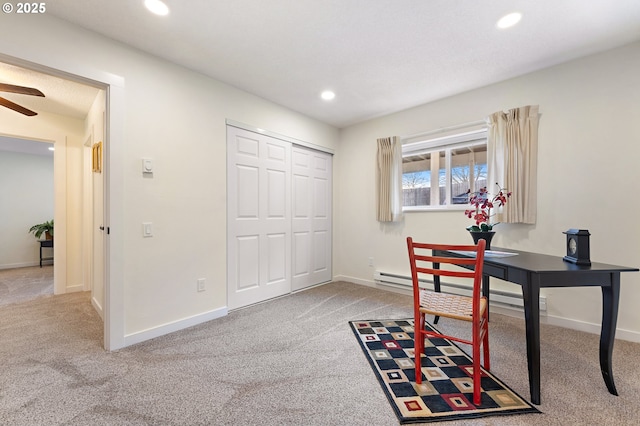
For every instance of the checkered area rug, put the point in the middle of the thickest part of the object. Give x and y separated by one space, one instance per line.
446 392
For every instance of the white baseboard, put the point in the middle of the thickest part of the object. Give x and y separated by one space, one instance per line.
19 265
622 334
141 336
572 324
368 283
74 288
97 307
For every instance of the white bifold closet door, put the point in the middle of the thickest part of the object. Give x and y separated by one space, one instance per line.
311 217
263 213
259 217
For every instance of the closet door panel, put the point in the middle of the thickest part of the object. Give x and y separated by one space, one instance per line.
258 217
311 217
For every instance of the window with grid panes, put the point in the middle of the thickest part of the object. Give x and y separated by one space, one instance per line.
437 173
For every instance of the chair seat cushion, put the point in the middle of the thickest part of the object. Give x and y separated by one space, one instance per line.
449 305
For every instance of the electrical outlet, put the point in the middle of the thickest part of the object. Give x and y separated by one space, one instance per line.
371 261
201 286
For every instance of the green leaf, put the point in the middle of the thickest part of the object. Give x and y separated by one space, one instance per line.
473 228
485 228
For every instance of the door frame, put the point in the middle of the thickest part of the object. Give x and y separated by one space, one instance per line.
37 59
294 141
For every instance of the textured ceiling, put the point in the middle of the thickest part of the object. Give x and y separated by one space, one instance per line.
379 56
62 96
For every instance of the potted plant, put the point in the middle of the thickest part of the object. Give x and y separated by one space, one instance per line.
482 203
45 228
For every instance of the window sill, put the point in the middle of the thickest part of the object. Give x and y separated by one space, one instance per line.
453 208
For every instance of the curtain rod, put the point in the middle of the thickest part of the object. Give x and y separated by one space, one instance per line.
444 129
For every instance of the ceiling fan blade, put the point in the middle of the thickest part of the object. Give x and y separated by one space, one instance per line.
20 89
22 110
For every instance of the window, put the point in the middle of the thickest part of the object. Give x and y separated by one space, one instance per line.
437 173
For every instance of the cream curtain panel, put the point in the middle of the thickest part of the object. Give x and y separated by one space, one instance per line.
389 179
513 160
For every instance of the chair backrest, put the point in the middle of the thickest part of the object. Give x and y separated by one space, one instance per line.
422 261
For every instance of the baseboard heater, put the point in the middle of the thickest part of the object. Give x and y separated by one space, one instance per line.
498 297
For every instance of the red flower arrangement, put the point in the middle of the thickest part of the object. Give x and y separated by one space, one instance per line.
482 203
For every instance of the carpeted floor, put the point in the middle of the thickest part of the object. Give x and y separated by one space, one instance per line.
22 284
289 361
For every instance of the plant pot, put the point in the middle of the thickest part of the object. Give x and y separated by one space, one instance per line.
484 235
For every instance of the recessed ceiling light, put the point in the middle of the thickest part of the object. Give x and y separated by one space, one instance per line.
327 95
157 7
509 20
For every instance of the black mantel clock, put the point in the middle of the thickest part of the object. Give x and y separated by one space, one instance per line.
577 246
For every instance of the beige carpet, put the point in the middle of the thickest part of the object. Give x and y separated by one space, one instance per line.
22 284
290 361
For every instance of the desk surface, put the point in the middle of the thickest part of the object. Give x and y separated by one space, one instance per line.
541 263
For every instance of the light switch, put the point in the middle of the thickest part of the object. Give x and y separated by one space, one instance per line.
146 229
147 165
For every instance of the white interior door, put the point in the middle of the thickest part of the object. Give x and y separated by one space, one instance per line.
97 269
311 217
259 217
87 217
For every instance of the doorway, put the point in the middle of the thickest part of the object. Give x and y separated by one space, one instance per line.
62 121
35 59
26 194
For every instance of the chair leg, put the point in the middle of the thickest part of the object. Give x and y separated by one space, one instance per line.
418 339
477 373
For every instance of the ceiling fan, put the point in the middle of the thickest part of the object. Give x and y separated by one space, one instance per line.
21 90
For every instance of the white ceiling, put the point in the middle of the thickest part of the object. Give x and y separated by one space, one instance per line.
63 97
379 56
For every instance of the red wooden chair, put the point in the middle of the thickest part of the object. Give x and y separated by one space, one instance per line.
473 309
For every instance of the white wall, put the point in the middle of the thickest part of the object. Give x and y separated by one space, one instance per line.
26 199
177 117
589 145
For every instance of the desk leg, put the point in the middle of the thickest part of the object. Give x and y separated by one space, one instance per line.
610 299
485 291
436 286
41 255
531 296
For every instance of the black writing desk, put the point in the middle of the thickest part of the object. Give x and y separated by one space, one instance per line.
533 271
